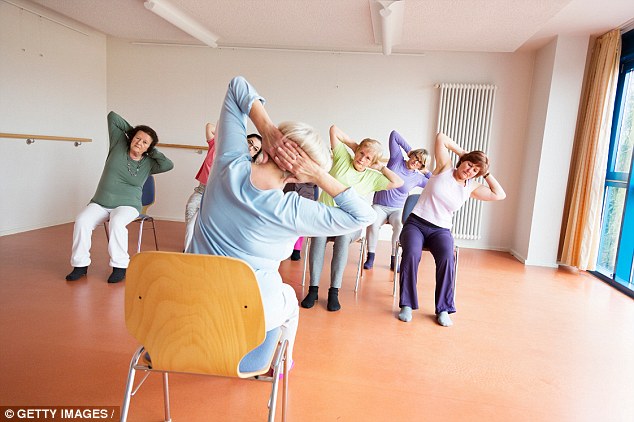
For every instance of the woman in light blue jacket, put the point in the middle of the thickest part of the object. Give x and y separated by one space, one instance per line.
245 214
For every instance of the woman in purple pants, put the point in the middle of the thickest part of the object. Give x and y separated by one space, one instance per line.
429 224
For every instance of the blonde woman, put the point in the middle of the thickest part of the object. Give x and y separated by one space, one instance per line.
365 174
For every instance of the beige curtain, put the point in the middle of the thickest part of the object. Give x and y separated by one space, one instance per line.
582 215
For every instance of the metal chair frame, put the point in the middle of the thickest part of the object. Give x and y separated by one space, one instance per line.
201 315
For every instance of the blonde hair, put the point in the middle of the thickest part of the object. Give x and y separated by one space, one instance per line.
421 155
374 146
307 138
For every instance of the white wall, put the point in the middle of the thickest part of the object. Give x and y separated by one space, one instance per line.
177 89
531 155
557 86
52 82
70 87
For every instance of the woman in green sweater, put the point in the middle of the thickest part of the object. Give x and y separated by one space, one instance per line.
132 157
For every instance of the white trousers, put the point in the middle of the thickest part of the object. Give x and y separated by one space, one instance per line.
385 214
291 315
191 212
91 217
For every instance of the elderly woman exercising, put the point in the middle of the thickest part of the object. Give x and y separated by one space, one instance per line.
429 224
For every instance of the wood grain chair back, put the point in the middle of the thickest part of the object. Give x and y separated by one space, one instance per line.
194 313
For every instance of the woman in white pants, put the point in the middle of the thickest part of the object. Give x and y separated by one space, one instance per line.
132 157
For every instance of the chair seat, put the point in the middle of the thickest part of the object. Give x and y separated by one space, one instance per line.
259 359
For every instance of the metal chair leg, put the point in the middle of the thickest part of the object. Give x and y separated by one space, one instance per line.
138 248
360 264
397 265
285 385
154 230
128 387
166 398
279 360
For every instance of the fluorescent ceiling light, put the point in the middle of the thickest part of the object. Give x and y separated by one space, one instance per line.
182 20
387 22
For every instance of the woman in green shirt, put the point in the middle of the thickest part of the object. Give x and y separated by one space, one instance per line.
132 157
365 174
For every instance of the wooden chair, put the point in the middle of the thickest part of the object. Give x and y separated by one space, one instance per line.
199 314
410 202
147 199
362 242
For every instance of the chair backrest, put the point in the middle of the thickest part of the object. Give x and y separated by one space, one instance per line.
149 194
409 205
193 313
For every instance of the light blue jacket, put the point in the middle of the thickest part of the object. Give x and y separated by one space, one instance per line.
261 226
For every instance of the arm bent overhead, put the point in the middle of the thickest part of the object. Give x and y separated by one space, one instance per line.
442 146
337 135
493 192
241 100
210 131
161 163
117 128
395 180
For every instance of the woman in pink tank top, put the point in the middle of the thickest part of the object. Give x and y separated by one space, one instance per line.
429 224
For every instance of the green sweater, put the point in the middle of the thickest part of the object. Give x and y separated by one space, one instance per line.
117 186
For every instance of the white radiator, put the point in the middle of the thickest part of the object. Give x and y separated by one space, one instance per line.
464 114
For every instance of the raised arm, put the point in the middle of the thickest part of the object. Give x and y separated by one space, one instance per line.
210 131
395 179
443 145
160 163
272 137
242 100
317 219
337 135
397 142
117 128
492 192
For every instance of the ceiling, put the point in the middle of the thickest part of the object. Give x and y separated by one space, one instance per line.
346 25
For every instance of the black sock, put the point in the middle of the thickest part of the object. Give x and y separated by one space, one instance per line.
333 299
311 297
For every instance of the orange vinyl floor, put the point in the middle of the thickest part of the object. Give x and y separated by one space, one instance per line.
528 343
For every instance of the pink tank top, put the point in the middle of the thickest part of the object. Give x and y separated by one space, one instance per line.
203 173
441 198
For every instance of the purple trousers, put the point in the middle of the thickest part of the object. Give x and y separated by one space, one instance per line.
416 235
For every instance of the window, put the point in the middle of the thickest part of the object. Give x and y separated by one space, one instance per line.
616 250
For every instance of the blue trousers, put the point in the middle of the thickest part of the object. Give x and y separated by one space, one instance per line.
416 235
